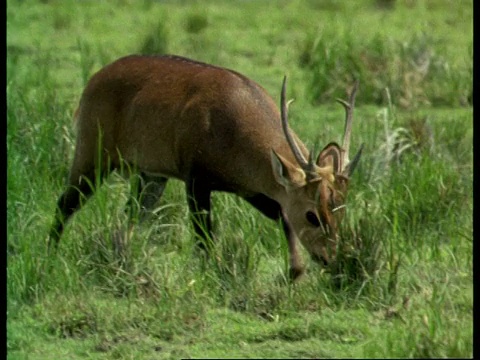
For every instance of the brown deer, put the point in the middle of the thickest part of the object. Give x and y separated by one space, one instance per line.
216 130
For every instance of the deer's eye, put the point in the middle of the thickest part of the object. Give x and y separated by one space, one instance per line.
313 219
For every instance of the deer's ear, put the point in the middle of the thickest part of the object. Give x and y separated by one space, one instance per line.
287 174
331 155
348 171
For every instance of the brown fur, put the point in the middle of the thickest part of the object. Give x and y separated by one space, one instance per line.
210 127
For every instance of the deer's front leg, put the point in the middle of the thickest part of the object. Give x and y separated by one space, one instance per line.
198 197
296 267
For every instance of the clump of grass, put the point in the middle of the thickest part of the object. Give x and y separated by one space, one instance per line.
80 316
113 252
62 18
413 71
29 135
87 60
196 23
385 4
25 275
233 267
76 325
367 264
415 138
156 41
327 5
426 332
408 162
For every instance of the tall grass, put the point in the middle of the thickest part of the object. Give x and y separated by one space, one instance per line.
415 73
156 41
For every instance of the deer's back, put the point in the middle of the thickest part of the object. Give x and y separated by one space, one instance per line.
169 114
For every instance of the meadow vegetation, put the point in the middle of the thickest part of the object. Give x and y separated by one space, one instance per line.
403 285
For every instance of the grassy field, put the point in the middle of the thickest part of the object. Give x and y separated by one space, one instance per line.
403 289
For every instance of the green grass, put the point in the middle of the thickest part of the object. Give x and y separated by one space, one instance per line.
404 283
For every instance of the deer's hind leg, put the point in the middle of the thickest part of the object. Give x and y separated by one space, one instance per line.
146 191
85 176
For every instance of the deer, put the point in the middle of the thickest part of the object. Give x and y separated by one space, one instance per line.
216 130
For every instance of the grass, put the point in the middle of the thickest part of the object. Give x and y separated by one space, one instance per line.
404 283
413 69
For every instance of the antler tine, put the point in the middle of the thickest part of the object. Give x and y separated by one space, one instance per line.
349 106
293 145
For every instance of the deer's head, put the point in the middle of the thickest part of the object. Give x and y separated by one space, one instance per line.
316 188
